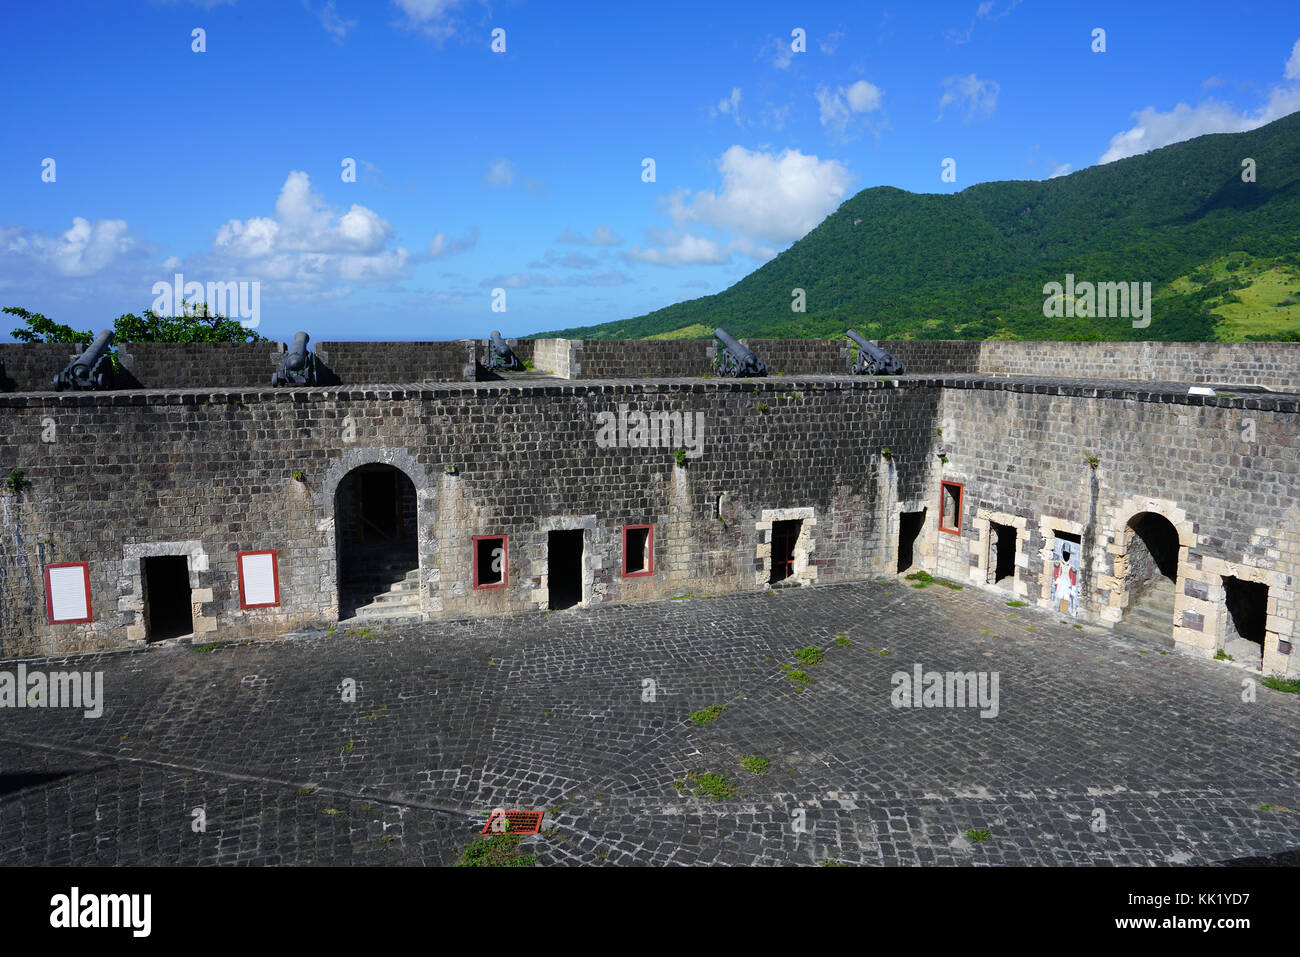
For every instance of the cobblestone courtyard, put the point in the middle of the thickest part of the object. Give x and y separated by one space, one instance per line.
1103 751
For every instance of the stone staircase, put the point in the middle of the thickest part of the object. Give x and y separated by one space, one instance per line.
1151 617
388 588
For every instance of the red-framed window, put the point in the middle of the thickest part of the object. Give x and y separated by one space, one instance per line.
491 561
67 593
638 550
950 502
259 578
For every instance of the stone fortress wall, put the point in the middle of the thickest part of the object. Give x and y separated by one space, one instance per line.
855 469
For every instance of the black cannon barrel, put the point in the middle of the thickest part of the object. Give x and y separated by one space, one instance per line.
502 355
297 356
298 367
735 359
86 370
873 360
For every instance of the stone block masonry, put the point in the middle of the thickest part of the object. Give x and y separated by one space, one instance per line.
208 475
358 363
31 367
198 365
1148 480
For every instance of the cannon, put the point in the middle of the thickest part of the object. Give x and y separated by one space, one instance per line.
735 360
873 360
298 367
501 356
91 369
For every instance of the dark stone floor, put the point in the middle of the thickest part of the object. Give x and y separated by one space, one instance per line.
1103 751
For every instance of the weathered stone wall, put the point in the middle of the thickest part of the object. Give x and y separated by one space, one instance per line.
208 474
1224 472
553 356
935 356
1275 365
638 359
802 356
32 366
198 365
369 363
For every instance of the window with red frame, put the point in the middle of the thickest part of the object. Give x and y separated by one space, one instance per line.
950 495
491 568
638 550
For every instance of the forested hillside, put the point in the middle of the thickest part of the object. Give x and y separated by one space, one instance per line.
972 265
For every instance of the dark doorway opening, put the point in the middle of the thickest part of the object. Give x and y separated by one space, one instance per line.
375 524
1003 549
564 568
909 529
1152 549
1247 619
784 535
165 588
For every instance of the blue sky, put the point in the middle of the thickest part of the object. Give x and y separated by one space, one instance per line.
522 170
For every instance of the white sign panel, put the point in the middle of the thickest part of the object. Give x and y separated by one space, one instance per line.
259 578
68 598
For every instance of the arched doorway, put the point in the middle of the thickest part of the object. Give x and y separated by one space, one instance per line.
1151 549
375 527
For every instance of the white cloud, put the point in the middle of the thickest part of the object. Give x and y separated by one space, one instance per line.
570 260
601 236
775 116
500 173
980 97
838 105
430 17
1061 170
728 105
831 43
443 245
85 249
503 173
309 247
779 52
1153 129
774 196
334 25
530 280
987 10
685 250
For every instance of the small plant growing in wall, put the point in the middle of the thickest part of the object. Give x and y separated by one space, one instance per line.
762 407
299 476
1093 461
887 454
680 455
943 458
16 482
451 470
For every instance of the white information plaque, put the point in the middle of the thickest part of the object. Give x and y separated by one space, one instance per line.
68 597
257 576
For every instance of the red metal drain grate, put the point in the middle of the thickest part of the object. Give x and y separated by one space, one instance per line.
521 822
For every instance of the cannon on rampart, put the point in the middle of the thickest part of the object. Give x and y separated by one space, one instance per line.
873 360
735 360
92 369
501 356
298 367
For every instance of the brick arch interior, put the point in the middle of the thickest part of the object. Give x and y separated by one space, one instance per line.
1125 584
1152 551
380 504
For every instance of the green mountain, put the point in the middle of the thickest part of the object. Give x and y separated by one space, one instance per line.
1222 255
